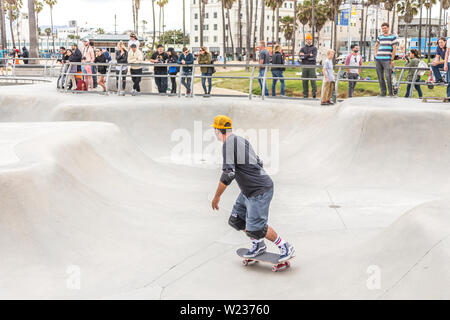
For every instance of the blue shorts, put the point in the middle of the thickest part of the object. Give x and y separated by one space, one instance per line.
253 210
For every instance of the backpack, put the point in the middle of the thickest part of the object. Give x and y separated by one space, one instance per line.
422 64
81 85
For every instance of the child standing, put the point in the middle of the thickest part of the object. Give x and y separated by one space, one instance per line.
328 76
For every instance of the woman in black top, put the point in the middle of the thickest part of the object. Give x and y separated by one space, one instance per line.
100 58
121 57
173 58
277 59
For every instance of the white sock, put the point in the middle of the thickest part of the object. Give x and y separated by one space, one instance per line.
279 242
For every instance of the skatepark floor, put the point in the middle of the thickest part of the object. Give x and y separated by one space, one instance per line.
106 197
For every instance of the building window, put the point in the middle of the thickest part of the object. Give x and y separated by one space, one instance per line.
215 15
205 27
195 15
205 39
196 39
207 15
215 38
196 27
215 27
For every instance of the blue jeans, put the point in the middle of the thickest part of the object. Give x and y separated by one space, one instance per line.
209 82
261 80
437 71
277 74
416 86
253 210
186 75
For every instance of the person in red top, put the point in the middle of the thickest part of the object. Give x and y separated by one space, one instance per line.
354 59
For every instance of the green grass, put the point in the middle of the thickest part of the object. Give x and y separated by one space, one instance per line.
294 87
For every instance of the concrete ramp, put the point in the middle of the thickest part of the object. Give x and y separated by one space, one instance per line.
109 197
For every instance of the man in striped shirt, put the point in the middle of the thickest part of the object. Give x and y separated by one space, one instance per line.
385 49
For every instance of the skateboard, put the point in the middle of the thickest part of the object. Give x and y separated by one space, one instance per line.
267 257
441 99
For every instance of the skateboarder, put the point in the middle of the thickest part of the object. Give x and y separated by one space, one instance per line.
251 210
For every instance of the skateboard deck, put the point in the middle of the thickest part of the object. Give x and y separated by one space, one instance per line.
442 99
267 257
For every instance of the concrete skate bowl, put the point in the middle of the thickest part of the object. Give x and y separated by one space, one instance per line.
96 204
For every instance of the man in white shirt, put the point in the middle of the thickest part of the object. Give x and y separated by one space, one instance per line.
354 59
135 56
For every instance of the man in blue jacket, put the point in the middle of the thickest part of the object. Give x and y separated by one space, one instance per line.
186 58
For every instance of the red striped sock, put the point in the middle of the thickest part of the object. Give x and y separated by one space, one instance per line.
279 242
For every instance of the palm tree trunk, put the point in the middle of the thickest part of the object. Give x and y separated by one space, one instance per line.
277 30
233 53
365 35
154 24
420 29
223 32
201 21
440 19
273 28
393 19
184 23
159 24
312 19
32 26
294 27
406 38
336 13
261 26
429 34
254 31
2 25
362 28
53 35
133 8
248 18
11 28
240 27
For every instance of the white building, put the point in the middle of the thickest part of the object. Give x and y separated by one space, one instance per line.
213 25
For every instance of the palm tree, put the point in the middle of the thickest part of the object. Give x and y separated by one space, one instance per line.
201 10
261 26
407 10
287 27
254 30
137 7
48 32
161 4
428 5
154 24
304 15
100 31
294 31
2 24
333 6
32 26
144 23
223 33
38 7
228 4
51 4
13 8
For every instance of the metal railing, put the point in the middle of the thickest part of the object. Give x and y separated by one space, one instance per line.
12 69
254 72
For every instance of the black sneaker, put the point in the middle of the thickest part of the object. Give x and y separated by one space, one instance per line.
257 249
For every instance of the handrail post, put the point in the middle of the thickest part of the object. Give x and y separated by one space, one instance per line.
179 76
400 81
336 87
107 79
119 83
250 90
192 80
67 73
263 89
413 84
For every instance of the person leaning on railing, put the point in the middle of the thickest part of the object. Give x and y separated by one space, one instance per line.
385 49
308 56
354 59
160 57
438 62
264 59
205 58
121 58
277 72
173 70
186 58
135 56
413 62
101 58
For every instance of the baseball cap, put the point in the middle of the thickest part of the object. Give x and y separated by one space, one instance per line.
222 122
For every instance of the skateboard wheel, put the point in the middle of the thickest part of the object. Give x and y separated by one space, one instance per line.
245 262
288 264
274 269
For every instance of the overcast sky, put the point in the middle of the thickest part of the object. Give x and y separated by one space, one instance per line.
100 13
